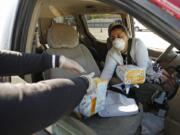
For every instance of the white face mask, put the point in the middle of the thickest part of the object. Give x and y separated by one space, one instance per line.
119 44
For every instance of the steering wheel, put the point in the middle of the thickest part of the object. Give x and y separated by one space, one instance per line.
163 55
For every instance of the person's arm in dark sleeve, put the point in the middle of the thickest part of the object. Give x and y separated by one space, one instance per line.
27 108
14 63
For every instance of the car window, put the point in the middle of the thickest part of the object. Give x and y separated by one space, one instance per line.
149 38
70 20
98 24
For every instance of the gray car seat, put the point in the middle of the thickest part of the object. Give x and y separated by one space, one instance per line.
63 39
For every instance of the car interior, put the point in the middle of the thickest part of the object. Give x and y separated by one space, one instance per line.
77 29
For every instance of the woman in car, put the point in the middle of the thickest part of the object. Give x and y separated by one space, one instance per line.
27 108
124 50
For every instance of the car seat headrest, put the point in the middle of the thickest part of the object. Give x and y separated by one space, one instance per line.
62 36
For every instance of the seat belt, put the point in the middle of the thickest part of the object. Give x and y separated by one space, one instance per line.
129 59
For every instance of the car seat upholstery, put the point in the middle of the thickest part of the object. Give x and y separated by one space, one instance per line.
63 39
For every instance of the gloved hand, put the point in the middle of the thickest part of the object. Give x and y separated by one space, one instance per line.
91 80
69 64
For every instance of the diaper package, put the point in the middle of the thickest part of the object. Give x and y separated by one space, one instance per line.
131 74
95 101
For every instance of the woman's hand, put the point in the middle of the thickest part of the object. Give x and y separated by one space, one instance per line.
168 79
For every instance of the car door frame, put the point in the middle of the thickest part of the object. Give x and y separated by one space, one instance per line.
159 21
165 26
21 25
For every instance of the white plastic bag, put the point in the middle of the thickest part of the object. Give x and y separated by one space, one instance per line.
118 105
95 101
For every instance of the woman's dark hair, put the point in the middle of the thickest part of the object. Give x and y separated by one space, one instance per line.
117 25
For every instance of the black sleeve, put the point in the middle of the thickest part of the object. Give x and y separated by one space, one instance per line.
14 63
27 108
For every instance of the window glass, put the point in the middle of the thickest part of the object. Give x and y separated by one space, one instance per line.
150 39
98 24
70 20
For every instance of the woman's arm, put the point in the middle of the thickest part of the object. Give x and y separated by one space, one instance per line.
15 63
141 55
110 65
27 108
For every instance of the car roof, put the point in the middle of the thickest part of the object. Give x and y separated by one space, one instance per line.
54 8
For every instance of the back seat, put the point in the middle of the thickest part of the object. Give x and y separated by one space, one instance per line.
63 39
